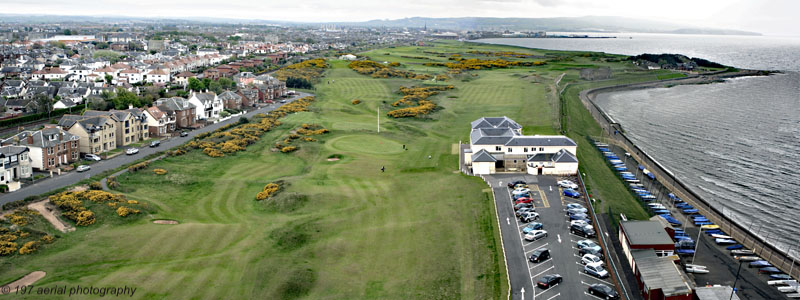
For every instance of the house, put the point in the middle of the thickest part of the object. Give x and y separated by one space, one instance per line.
49 147
158 122
660 278
130 124
179 109
182 78
249 96
231 100
497 145
64 103
131 76
208 105
157 76
97 134
645 235
15 163
244 78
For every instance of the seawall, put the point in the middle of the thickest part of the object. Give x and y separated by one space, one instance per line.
614 133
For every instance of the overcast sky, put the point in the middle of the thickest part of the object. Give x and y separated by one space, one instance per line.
773 17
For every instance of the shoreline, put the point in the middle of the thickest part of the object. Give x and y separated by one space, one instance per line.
615 134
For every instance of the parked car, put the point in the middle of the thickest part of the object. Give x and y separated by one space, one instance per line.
131 151
521 191
579 217
587 244
532 227
283 101
582 230
155 143
529 217
521 205
524 210
93 157
577 210
539 255
517 196
549 280
511 185
567 184
83 168
580 222
184 133
523 200
603 291
592 251
574 205
572 193
595 270
588 259
535 235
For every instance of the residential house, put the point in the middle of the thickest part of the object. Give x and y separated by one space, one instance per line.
249 96
15 163
97 133
208 105
157 76
180 110
231 100
49 148
158 122
183 78
497 145
130 124
131 76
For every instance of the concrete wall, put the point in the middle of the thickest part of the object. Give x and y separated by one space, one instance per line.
483 168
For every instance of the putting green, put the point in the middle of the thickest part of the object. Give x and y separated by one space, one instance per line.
364 143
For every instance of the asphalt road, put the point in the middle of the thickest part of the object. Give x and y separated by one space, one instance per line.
564 256
66 179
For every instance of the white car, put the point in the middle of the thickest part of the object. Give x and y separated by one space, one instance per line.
595 270
131 151
83 168
521 191
567 184
92 157
578 222
535 235
589 259
657 206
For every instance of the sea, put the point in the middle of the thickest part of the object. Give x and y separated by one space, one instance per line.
735 143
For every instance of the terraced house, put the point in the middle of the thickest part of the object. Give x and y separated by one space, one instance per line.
15 163
497 145
97 134
130 124
50 148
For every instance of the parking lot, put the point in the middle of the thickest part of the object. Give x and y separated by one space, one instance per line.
564 259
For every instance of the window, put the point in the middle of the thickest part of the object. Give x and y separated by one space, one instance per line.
524 149
541 148
127 139
509 150
51 162
127 131
50 150
75 144
74 155
13 158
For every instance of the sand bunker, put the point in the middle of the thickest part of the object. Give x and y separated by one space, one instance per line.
166 222
29 279
49 216
333 159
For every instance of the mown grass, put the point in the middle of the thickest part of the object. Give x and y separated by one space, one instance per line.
341 229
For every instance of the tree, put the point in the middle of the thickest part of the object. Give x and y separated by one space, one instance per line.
67 32
109 78
196 85
215 87
125 98
43 104
227 83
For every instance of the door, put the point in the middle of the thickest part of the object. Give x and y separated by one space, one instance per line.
540 170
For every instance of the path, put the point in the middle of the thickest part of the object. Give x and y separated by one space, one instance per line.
29 279
49 216
71 178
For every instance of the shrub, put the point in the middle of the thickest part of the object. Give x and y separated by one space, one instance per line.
47 239
29 247
139 166
124 211
160 171
288 149
271 189
7 248
356 101
95 185
85 218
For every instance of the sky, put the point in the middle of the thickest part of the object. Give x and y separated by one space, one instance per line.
771 17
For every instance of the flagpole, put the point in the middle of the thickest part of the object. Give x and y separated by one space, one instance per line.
379 119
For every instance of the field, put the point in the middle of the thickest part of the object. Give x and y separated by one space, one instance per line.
341 229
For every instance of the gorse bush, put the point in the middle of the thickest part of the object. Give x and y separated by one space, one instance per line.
417 99
378 70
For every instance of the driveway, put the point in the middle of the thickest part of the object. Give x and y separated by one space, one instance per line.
73 177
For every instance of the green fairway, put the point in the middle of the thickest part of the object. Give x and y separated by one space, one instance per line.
341 229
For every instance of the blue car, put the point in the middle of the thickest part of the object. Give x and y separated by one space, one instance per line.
532 227
584 217
571 193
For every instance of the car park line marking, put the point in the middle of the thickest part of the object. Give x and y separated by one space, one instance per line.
556 295
516 221
544 197
542 272
508 221
540 264
559 238
595 278
551 188
534 249
593 296
549 289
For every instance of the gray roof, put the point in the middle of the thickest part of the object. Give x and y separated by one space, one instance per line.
552 140
12 150
205 97
90 123
173 104
660 273
646 233
47 137
491 136
564 156
542 157
228 95
495 122
483 156
714 293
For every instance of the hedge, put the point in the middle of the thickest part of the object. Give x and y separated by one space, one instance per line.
34 117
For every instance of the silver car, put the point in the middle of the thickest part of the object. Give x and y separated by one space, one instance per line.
535 235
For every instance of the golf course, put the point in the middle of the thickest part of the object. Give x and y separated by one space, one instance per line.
390 218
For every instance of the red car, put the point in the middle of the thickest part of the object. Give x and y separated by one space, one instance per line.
523 200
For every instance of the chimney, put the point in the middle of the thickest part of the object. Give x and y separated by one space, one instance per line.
130 106
30 139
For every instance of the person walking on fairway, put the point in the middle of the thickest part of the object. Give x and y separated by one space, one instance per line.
383 169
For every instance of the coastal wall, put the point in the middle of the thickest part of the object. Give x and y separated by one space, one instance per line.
615 134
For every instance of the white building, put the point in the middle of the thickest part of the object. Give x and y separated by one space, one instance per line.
208 105
157 76
497 145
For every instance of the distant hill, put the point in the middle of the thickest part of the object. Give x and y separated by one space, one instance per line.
566 24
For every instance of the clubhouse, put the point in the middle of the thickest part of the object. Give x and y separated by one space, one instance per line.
497 146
